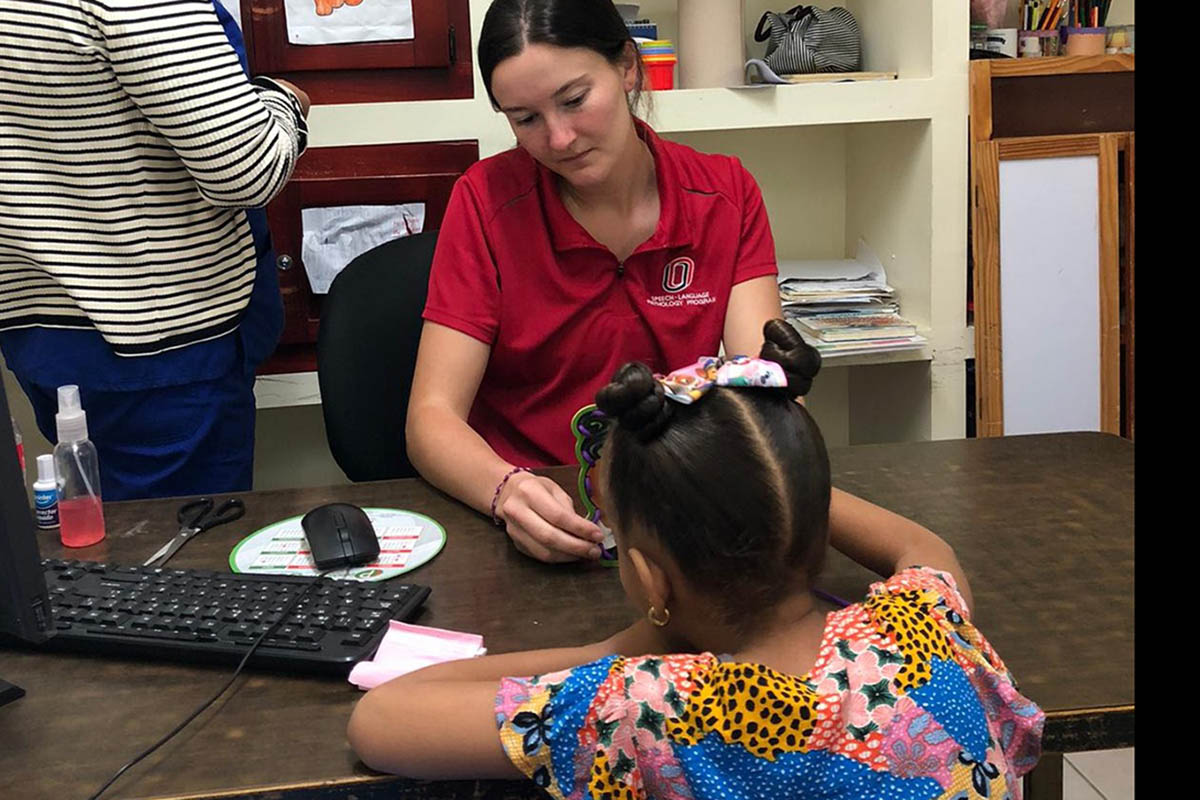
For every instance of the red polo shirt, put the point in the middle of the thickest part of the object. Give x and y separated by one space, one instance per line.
514 270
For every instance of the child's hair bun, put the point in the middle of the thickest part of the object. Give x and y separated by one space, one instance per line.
800 361
636 400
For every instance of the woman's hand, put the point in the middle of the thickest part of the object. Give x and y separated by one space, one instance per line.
541 520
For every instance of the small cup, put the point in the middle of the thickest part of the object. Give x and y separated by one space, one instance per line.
1085 41
1038 44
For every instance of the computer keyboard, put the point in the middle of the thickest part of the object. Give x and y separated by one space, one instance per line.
207 616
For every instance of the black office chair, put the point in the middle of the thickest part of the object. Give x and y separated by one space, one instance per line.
366 354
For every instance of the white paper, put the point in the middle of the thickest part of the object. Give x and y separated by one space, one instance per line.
864 267
348 21
407 648
235 10
333 237
848 280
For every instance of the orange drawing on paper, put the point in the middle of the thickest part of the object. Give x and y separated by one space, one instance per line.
326 7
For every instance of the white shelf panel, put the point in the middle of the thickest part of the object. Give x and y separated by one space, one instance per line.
674 111
682 110
871 359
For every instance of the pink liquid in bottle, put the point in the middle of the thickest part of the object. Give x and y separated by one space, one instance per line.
81 521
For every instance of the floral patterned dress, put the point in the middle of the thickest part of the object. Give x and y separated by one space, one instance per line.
906 700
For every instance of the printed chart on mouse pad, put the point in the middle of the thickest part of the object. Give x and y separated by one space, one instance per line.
406 541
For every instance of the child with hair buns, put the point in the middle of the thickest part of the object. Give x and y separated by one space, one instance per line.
738 682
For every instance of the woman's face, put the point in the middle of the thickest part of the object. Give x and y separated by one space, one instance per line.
567 107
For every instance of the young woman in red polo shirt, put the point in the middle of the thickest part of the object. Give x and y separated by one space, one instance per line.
591 244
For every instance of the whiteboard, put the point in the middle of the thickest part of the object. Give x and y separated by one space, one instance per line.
1050 294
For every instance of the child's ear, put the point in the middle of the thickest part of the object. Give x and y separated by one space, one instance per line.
656 584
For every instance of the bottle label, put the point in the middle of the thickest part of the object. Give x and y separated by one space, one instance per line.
45 508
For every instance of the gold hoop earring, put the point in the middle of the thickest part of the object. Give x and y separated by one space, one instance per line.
657 621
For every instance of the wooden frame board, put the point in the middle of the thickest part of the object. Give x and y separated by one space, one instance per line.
985 210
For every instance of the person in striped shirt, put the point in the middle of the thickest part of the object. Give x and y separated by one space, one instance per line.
131 145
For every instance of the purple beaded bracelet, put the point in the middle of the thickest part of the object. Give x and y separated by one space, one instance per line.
499 523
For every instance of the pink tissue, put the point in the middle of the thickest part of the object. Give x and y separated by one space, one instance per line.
406 648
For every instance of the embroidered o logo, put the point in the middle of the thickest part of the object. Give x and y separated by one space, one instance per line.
678 275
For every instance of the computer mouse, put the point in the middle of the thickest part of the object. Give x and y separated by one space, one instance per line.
340 535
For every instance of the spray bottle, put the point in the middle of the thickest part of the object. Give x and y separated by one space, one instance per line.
80 515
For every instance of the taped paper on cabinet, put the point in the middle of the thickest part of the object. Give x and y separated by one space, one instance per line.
348 21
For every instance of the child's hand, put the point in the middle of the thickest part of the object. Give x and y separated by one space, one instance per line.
541 520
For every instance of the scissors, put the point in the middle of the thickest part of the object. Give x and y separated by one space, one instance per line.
197 516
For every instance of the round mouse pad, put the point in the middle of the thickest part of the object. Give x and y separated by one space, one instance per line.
406 541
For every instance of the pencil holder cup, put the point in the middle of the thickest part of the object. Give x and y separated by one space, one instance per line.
1085 42
1037 44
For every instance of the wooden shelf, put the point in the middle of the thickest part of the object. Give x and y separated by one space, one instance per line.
670 111
1058 65
873 359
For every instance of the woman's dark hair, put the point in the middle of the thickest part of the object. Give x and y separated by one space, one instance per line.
511 25
735 486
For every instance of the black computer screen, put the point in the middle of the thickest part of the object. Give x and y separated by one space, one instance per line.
24 606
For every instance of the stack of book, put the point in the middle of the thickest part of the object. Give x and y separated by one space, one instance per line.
843 307
857 332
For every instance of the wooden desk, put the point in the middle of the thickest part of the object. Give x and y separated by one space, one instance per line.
1043 526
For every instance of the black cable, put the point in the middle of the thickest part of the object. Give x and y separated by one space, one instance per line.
262 637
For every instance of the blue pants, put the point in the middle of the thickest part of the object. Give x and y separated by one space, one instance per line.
197 438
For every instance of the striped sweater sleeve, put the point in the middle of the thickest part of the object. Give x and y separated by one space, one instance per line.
238 141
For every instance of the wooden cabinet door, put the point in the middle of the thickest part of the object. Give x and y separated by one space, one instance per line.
391 174
434 64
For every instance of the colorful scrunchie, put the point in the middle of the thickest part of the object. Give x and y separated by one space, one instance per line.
688 384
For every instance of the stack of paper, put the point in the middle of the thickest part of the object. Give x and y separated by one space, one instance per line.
407 648
845 306
856 326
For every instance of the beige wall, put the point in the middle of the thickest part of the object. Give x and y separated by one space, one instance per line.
1121 13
